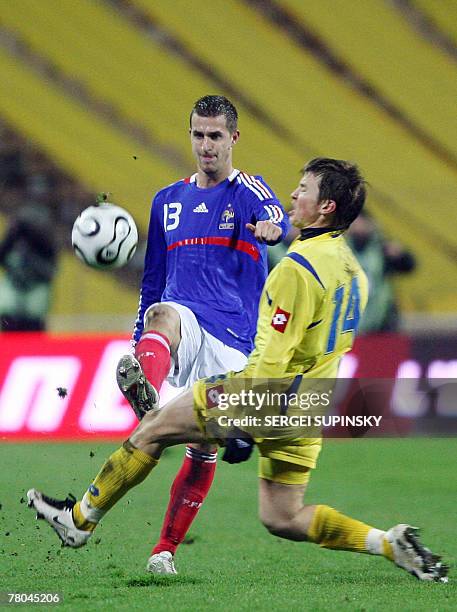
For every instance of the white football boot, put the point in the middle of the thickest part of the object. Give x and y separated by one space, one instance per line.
59 515
161 563
411 555
135 387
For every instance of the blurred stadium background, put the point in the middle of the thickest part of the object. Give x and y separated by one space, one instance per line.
95 96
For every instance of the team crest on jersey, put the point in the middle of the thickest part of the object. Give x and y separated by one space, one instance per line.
212 396
280 320
226 222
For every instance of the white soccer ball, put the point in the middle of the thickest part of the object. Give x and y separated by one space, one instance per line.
104 236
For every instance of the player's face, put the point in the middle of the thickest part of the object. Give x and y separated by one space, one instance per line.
306 208
212 144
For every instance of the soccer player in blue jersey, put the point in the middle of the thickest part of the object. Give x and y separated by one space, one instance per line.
308 312
205 267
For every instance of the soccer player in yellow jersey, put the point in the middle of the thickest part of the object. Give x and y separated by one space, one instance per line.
308 313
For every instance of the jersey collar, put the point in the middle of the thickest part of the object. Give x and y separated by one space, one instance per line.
231 177
312 232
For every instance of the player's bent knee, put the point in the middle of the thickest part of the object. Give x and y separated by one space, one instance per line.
289 529
166 320
163 314
271 520
279 521
276 527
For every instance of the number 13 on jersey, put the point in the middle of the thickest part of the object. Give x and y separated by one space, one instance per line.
351 318
171 214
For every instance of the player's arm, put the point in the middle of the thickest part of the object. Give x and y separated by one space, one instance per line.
292 298
288 308
270 222
155 268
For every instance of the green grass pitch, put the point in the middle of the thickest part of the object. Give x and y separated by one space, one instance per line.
231 561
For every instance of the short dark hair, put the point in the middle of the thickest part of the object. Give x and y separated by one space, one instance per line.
213 106
342 182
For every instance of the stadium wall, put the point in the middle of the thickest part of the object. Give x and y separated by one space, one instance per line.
62 387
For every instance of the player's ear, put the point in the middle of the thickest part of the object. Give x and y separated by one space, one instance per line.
328 207
235 137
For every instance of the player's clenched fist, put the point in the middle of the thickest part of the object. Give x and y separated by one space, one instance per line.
265 231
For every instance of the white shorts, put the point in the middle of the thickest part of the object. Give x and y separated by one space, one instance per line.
199 353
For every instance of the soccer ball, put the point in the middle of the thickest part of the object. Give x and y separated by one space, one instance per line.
104 236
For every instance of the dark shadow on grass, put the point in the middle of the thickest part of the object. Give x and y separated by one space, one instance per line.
190 539
162 581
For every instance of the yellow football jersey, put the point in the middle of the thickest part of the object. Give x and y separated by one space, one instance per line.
308 313
309 309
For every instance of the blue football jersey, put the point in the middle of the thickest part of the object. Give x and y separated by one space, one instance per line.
200 254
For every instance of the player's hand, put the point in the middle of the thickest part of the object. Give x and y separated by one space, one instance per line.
265 231
239 448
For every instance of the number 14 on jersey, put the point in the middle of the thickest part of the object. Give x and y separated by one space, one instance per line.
351 317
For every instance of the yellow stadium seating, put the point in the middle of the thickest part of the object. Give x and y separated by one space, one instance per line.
443 13
87 146
143 82
134 74
324 111
380 45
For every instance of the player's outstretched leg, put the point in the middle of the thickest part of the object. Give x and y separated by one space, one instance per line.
74 521
139 378
400 544
283 513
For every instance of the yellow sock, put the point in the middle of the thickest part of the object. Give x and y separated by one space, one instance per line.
331 529
80 520
127 467
387 550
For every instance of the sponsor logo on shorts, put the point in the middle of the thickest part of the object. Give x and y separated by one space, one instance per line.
280 320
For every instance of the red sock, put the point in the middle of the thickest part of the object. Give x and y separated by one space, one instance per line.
187 494
153 353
